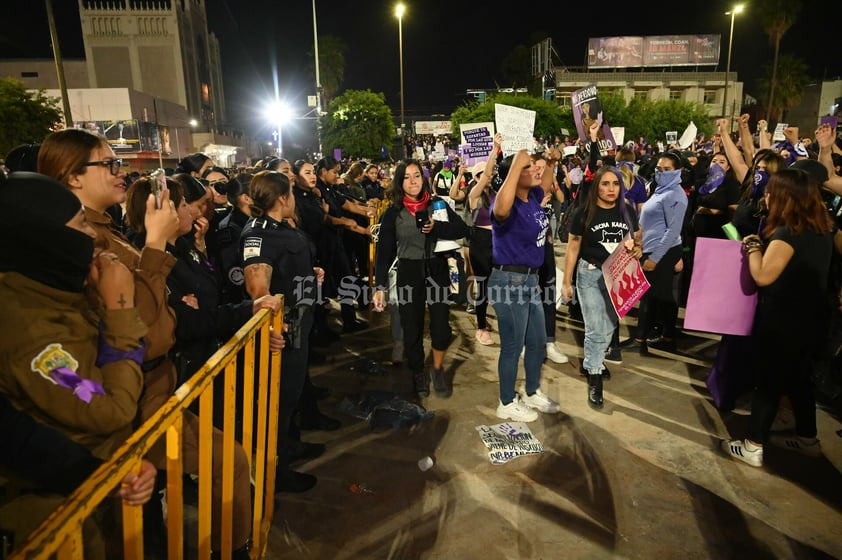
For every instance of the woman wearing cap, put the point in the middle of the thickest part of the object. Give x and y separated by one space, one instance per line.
408 232
480 199
519 231
85 163
70 363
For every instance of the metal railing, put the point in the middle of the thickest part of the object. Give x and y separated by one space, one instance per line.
61 532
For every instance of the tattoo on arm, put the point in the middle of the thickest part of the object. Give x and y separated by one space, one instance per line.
258 277
122 302
575 237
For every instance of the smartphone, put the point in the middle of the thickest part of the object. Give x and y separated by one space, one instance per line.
421 218
159 185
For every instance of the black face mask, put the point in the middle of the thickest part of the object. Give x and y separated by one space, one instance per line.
57 256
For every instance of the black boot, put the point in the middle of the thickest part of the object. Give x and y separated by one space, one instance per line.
595 391
422 384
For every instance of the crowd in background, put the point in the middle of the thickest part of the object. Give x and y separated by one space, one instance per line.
200 256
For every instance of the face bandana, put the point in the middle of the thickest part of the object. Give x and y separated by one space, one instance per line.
760 180
716 175
668 178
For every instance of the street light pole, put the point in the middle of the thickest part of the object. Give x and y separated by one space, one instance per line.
736 10
318 82
399 10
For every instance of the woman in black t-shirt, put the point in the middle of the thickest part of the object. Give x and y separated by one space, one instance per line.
791 319
599 224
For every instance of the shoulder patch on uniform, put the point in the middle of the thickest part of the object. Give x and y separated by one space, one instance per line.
50 358
251 247
235 276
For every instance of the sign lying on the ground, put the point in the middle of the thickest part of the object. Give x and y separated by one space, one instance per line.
508 441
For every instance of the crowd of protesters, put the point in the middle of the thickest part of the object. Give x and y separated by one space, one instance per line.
198 260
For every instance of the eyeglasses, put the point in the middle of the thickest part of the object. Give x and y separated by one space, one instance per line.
113 165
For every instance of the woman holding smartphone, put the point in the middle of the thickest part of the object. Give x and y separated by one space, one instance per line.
409 233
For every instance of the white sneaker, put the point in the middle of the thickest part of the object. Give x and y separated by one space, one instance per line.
744 450
556 355
784 420
540 401
795 443
516 411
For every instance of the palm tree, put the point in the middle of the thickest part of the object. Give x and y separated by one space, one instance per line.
791 78
331 65
777 17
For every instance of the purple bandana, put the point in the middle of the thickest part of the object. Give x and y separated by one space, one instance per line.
85 389
716 175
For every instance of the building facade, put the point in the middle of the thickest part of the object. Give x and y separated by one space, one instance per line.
159 47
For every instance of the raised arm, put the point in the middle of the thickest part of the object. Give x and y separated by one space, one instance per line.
826 136
746 139
506 196
735 157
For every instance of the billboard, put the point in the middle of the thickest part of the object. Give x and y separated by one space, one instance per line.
655 50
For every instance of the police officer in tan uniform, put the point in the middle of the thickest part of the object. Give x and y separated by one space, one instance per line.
86 164
69 363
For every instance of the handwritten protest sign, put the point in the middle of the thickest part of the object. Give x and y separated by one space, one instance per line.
508 441
517 127
477 142
778 135
624 279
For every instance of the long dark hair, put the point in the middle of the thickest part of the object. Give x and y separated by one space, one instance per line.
396 193
795 201
593 195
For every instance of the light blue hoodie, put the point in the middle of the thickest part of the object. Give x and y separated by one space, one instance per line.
662 216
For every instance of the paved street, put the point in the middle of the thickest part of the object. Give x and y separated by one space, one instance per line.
642 478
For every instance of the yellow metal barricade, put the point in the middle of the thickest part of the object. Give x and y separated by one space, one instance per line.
61 532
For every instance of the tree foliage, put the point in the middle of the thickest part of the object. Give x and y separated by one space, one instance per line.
639 117
547 115
331 65
25 116
777 16
359 122
791 79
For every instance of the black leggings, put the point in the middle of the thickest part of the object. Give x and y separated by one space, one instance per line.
659 301
480 256
546 283
422 284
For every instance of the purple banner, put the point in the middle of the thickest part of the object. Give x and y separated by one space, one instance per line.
722 294
587 109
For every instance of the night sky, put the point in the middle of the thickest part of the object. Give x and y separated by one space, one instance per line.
448 46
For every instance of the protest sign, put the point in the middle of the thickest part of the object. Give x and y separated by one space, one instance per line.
624 279
517 127
508 441
722 294
778 135
477 142
688 136
587 109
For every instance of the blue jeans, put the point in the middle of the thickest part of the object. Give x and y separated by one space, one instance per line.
598 313
516 299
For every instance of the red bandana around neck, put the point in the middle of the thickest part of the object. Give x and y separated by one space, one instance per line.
415 205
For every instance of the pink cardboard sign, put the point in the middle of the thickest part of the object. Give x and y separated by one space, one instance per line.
722 294
624 279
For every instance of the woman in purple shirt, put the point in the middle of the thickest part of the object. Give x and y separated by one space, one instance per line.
519 231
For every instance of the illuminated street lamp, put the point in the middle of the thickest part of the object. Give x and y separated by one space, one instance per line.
399 11
734 11
278 113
